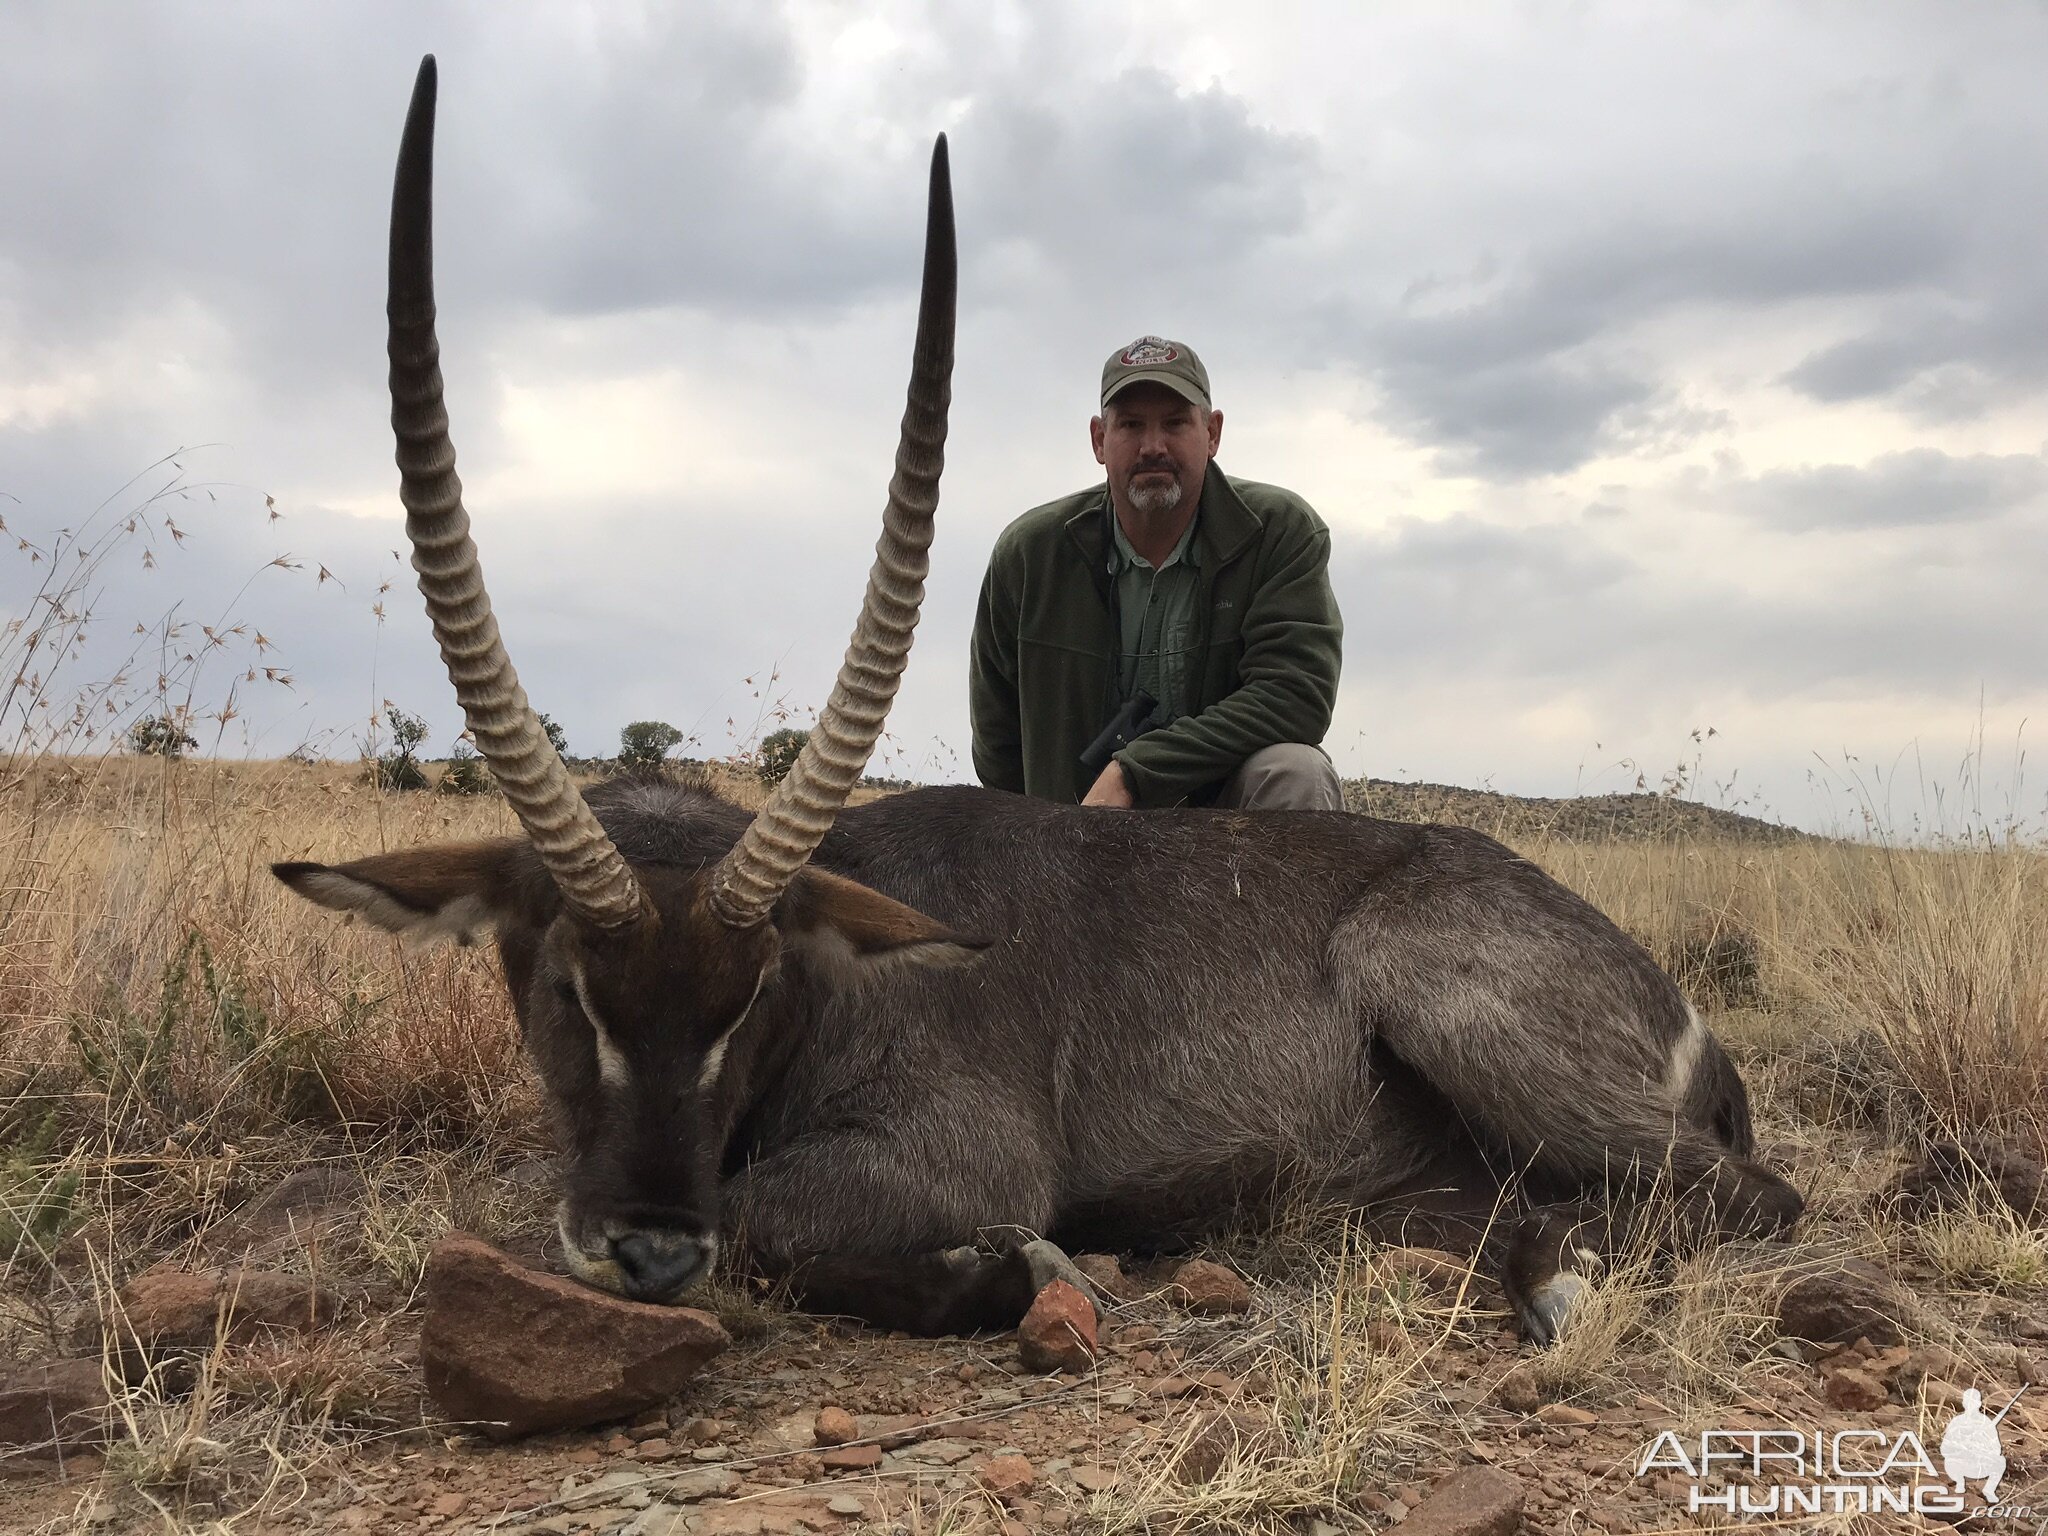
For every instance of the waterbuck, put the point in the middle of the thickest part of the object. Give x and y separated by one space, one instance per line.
898 1052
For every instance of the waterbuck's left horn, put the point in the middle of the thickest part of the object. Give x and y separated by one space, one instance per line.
594 879
794 821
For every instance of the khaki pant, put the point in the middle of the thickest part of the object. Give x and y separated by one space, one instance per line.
1285 777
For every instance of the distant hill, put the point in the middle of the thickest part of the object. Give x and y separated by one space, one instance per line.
1581 819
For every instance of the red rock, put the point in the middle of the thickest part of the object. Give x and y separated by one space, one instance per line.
834 1426
1564 1416
1946 1396
514 1350
1386 1336
852 1458
449 1505
1058 1333
1848 1387
64 1402
1851 1299
1212 1442
187 1309
1424 1266
1478 1501
1210 1289
1008 1478
1102 1271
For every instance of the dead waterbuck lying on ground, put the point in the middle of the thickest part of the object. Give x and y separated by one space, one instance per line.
863 1041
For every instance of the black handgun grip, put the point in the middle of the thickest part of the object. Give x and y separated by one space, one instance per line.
1124 727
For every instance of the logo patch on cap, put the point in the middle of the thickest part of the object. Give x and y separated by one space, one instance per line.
1149 352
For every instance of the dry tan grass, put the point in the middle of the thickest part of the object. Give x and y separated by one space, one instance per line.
181 1032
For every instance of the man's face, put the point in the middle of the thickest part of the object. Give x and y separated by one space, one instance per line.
1156 447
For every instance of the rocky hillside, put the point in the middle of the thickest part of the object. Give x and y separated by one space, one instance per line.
1581 819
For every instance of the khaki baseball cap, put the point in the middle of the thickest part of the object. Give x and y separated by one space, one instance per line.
1155 360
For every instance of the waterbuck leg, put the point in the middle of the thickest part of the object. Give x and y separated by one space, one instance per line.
1554 1254
1553 1038
864 1225
960 1290
1558 1045
1552 1258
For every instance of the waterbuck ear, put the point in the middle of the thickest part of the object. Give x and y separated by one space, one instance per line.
456 891
845 926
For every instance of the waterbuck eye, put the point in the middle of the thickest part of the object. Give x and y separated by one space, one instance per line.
565 991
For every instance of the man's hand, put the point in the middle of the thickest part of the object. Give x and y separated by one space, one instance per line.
1112 789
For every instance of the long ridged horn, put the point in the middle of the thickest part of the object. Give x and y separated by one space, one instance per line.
794 821
594 880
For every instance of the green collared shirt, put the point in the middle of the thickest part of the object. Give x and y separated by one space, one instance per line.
1158 612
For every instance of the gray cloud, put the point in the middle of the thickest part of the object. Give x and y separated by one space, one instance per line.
238 158
1541 372
1551 603
1134 174
1918 488
1519 239
1952 359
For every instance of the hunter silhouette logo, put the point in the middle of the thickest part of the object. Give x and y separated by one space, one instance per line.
1970 1449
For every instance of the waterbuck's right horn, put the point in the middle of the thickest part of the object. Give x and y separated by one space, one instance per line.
796 818
594 879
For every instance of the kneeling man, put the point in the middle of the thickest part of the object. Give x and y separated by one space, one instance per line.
1189 609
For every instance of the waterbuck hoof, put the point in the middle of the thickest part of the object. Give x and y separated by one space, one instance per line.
1547 1310
1049 1262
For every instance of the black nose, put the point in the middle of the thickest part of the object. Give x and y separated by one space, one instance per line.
658 1265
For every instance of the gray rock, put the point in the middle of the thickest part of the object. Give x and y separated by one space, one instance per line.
697 1483
300 1208
626 1489
1980 1170
938 1453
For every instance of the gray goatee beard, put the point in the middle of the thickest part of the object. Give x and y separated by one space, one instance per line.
1153 502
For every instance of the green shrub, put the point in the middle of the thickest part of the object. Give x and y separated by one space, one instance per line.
38 1193
160 736
400 768
644 743
466 773
778 754
556 738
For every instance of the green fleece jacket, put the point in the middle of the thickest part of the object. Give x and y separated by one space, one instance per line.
1268 644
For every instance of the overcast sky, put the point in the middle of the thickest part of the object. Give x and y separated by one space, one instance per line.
1657 367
